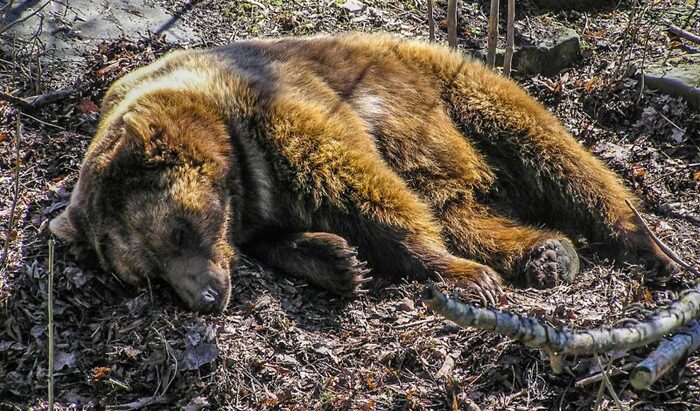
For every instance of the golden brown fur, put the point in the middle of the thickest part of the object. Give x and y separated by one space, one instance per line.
298 150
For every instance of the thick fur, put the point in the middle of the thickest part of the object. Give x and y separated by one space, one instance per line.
299 150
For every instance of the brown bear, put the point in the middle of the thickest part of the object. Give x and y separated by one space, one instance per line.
298 150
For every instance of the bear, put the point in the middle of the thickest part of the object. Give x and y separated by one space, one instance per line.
327 156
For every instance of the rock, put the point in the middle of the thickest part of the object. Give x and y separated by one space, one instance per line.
70 28
353 6
548 57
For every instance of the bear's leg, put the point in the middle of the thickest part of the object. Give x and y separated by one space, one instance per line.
334 167
543 173
523 255
323 259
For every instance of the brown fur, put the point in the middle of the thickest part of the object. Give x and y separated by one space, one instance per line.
297 150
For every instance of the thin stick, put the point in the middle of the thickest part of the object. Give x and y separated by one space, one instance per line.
51 342
452 23
493 34
13 206
431 21
510 39
670 253
608 384
599 377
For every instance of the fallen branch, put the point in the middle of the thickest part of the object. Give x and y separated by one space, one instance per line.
684 34
665 356
672 87
36 102
666 249
542 336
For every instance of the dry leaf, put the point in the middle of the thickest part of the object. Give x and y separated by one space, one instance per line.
88 106
101 372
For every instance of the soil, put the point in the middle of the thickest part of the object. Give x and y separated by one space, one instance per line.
283 344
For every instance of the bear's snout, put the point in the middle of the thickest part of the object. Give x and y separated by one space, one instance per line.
209 301
201 284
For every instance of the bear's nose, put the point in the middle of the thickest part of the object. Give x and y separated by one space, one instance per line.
207 300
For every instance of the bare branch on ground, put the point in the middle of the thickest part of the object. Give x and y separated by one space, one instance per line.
684 34
665 356
38 101
534 334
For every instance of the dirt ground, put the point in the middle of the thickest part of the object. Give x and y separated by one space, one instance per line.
282 344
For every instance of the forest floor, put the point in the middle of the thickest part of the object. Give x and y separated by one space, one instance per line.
282 344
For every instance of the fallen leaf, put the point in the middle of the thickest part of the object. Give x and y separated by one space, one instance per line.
406 305
131 352
101 372
638 170
62 360
353 6
88 106
199 355
197 404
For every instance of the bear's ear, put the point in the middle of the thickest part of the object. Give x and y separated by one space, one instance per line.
64 227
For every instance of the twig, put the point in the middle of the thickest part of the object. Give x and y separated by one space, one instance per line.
665 356
51 342
38 101
415 323
452 23
599 377
670 253
608 384
15 198
431 21
510 39
492 35
684 34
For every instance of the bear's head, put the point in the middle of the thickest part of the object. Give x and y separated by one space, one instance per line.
153 200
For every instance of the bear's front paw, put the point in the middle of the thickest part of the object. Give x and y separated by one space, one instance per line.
350 273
